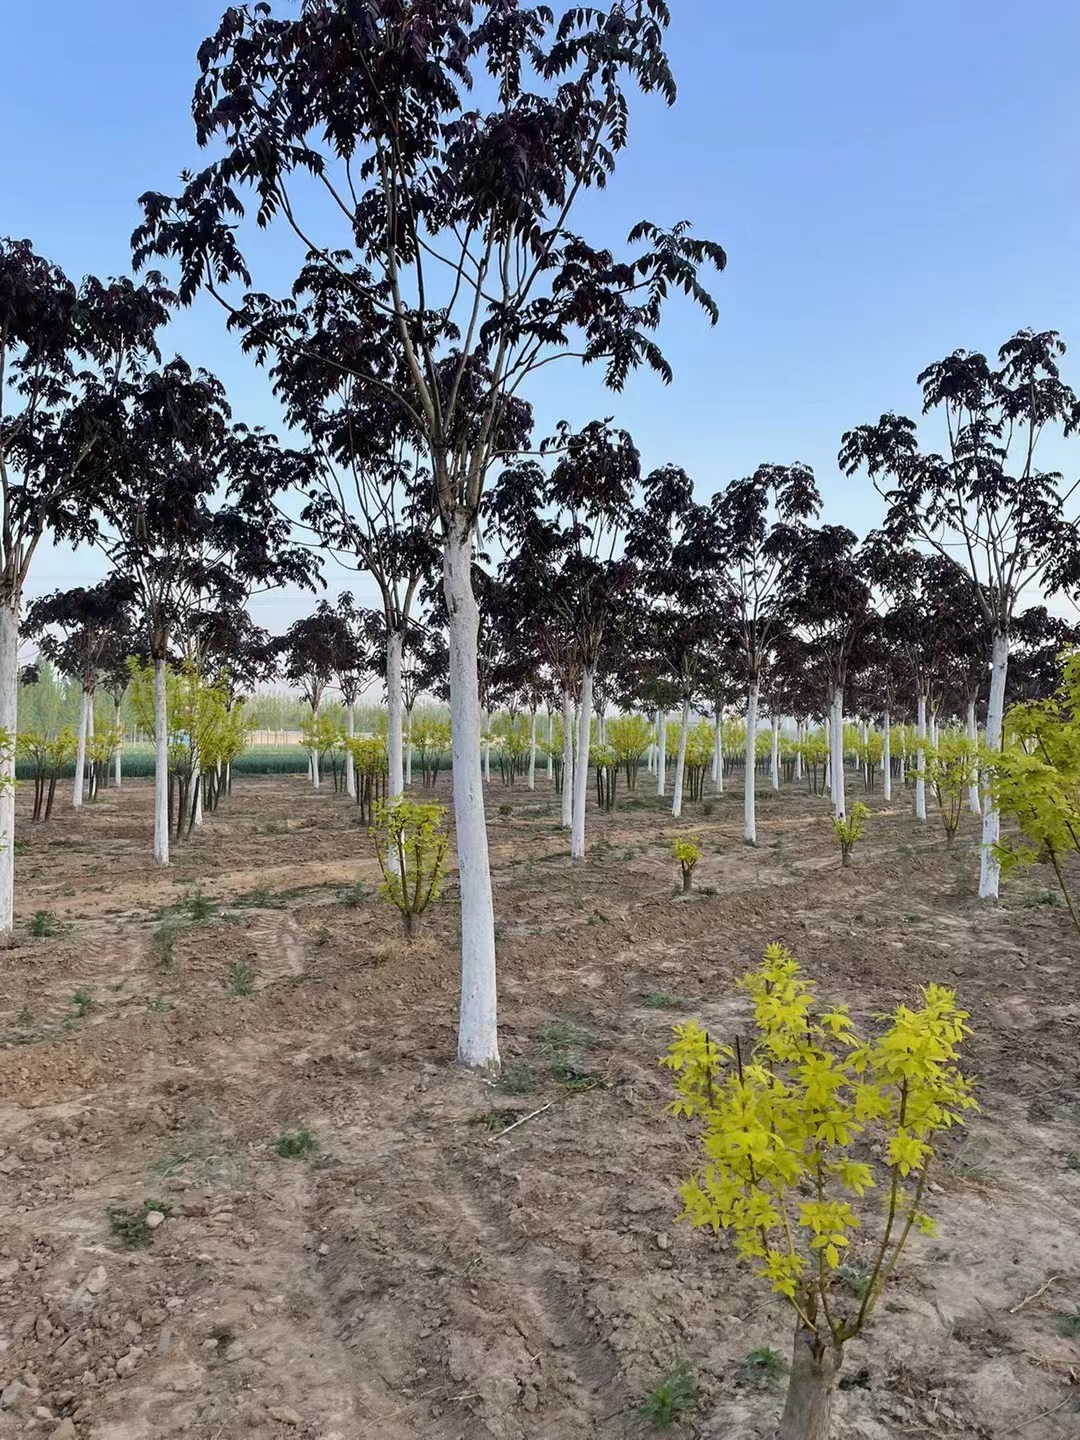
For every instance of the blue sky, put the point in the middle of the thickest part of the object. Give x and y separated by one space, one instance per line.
890 181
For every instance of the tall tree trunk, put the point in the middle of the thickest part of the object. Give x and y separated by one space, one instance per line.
394 713
550 746
161 763
532 751
408 750
680 763
487 762
920 759
661 752
886 756
717 773
478 1035
774 753
989 866
350 763
9 705
814 1367
973 735
118 762
838 797
567 816
581 771
197 796
750 767
78 785
800 735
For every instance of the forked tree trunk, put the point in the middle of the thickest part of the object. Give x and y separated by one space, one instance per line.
9 704
838 797
920 759
532 751
973 735
750 768
567 797
989 866
774 753
661 752
161 763
886 756
118 763
680 763
478 1035
815 1365
350 763
78 785
581 771
394 710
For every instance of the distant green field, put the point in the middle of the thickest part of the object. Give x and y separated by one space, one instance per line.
258 760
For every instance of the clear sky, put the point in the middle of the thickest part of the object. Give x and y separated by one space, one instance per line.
890 181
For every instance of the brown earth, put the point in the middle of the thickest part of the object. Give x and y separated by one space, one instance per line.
419 1275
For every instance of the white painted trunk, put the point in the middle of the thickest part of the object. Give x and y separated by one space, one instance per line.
680 763
866 755
478 1034
161 763
800 735
581 772
532 751
567 816
661 752
394 715
118 764
9 724
989 868
350 763
196 790
920 760
78 785
774 757
550 752
749 768
316 766
408 752
715 770
838 796
886 756
487 762
719 756
973 735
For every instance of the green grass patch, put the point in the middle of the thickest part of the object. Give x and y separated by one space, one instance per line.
130 1227
670 1397
762 1368
295 1144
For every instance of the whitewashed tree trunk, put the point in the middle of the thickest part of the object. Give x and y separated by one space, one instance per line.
774 755
531 782
311 766
838 797
9 724
661 752
866 754
719 750
196 790
680 763
989 867
886 756
933 729
920 759
715 768
800 733
78 785
350 763
567 797
551 746
118 763
487 762
973 735
394 715
750 767
161 763
478 1034
316 770
581 771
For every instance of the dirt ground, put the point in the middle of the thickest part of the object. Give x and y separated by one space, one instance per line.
417 1275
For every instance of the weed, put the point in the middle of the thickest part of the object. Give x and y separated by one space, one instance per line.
261 898
969 1163
708 807
44 925
224 1337
708 890
295 1144
564 1035
130 1227
516 1077
322 934
21 847
1067 1323
494 1120
571 1071
159 1005
856 1277
1042 897
240 979
24 1019
662 1000
762 1367
1072 1162
909 919
667 1400
905 848
355 896
506 810
163 945
628 853
597 919
198 906
83 1002
204 1159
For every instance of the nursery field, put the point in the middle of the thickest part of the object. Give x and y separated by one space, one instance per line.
351 1249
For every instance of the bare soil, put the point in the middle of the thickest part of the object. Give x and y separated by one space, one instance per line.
419 1275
